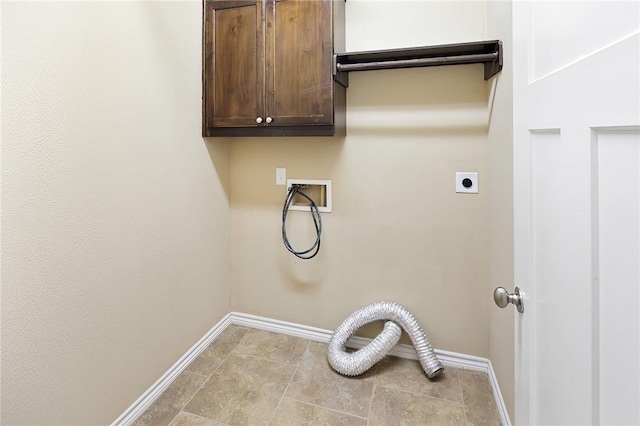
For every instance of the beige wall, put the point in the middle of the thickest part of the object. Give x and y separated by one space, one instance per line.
398 230
502 326
114 215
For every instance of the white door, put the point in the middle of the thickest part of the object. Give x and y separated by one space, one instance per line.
577 211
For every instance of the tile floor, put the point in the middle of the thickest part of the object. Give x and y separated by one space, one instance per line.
251 377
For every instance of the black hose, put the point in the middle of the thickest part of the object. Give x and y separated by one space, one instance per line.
317 222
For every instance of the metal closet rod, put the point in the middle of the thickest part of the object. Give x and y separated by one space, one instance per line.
405 63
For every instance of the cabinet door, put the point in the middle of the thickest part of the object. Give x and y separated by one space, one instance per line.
299 50
234 57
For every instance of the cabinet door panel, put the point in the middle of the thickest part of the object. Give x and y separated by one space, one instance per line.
234 55
298 66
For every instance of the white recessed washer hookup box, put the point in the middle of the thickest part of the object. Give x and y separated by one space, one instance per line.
318 190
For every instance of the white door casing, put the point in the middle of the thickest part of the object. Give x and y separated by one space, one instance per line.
577 211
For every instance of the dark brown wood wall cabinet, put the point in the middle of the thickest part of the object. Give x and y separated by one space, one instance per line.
267 68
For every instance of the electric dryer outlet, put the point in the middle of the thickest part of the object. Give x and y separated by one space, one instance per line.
467 182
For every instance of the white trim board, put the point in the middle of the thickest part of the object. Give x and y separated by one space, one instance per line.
146 399
448 359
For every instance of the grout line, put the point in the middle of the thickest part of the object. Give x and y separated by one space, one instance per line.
420 394
210 376
423 377
187 403
184 373
289 383
195 374
464 404
373 393
426 396
324 408
309 342
194 415
459 374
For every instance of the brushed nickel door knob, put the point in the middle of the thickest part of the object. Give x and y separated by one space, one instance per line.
259 120
502 298
269 120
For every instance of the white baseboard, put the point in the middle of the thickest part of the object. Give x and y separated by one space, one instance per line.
147 398
497 395
448 359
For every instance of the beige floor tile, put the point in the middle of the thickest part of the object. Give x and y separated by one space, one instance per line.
291 412
246 389
243 390
215 353
407 375
172 400
272 346
187 419
316 383
478 398
393 407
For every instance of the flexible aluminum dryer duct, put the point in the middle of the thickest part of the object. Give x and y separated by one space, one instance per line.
355 363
